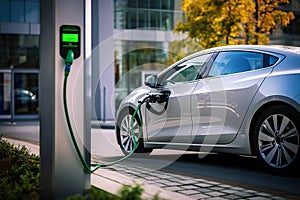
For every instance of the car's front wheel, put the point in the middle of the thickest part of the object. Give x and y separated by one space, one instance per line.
276 138
129 132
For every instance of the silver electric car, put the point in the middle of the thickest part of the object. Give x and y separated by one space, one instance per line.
241 99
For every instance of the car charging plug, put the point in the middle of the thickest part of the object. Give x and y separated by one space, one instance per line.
159 97
144 99
69 61
155 97
163 96
151 97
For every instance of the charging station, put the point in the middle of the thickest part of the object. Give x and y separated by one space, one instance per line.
69 39
65 106
65 26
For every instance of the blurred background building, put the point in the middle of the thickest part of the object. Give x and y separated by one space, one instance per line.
19 58
141 31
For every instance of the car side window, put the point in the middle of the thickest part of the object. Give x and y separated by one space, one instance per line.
231 62
188 70
188 73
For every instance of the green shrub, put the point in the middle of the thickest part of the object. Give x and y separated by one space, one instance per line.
126 193
94 193
131 193
19 174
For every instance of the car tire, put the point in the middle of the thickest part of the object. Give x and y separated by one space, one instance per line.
276 138
124 134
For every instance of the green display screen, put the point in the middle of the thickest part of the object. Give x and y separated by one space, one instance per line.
69 37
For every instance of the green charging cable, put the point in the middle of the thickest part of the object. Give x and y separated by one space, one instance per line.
94 166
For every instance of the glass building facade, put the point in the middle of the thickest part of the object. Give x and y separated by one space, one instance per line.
147 14
19 59
142 32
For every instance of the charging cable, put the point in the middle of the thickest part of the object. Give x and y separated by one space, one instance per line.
94 166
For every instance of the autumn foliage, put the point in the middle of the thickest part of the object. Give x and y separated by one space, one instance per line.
220 22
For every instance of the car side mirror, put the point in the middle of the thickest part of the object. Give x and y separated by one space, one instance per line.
151 81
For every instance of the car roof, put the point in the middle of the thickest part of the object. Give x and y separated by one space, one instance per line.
279 49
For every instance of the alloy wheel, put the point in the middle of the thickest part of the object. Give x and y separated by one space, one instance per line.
129 133
278 141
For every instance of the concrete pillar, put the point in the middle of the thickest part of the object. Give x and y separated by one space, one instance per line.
62 174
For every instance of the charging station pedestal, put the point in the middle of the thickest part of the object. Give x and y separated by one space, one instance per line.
62 174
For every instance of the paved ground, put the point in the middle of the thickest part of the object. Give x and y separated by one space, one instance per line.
166 184
191 187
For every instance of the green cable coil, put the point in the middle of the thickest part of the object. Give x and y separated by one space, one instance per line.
95 166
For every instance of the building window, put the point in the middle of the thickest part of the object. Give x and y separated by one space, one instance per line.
4 11
20 11
17 8
143 19
132 59
32 10
167 20
168 4
19 51
143 3
131 19
146 14
132 3
155 19
155 4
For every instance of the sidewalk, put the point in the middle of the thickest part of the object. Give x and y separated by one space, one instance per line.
111 181
166 185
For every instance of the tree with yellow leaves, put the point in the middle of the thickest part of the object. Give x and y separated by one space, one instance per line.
266 17
182 48
221 22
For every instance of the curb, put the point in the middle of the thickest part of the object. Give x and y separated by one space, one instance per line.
112 182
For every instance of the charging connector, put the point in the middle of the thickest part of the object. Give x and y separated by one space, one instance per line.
158 97
69 61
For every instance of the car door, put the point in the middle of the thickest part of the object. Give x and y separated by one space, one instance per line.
172 122
220 100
